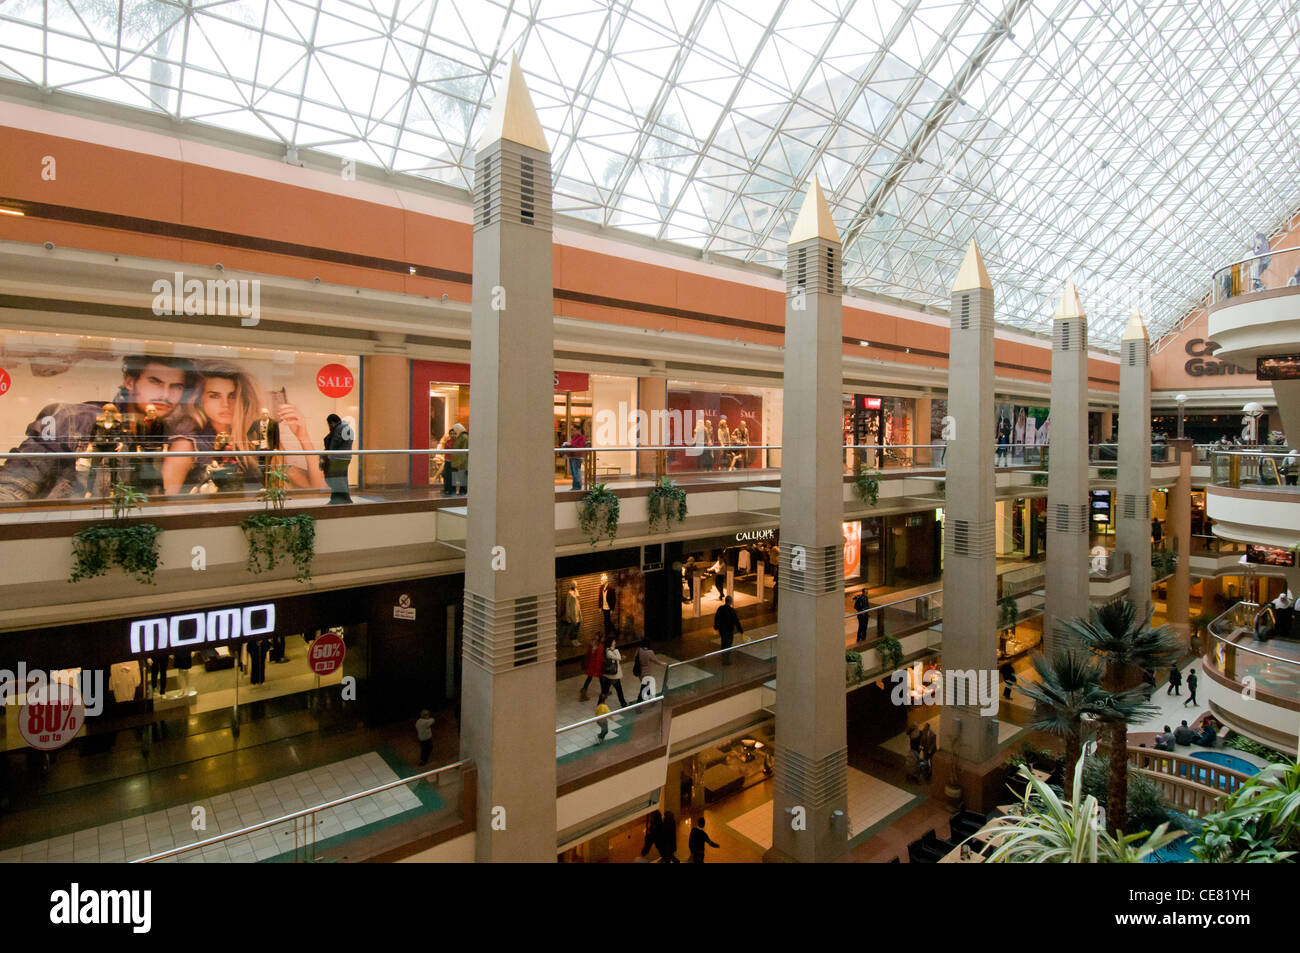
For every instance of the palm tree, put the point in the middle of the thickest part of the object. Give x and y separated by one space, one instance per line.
1049 830
1068 690
1125 645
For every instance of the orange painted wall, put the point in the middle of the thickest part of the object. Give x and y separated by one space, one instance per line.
123 182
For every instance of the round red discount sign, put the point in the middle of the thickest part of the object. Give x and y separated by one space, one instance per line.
327 654
335 380
52 716
5 382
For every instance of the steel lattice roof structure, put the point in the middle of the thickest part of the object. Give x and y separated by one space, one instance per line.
1133 144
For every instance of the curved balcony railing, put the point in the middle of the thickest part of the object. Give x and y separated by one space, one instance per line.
1272 270
1229 654
1278 469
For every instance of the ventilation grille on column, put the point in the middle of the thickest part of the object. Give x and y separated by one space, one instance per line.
965 312
511 187
812 782
486 192
967 537
508 633
1070 335
1135 353
1069 517
807 270
822 568
1134 506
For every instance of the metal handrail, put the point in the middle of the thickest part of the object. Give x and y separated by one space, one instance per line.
699 658
595 718
198 845
1268 254
886 605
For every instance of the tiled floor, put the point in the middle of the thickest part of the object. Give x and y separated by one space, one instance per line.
163 830
898 743
870 800
1173 708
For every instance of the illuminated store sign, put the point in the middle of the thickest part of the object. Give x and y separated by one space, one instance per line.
194 629
756 536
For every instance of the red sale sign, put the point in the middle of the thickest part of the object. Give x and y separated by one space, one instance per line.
52 716
5 382
327 654
335 380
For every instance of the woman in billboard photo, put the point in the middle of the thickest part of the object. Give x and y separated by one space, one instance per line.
227 402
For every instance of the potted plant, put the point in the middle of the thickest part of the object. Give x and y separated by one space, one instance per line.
867 486
1163 563
853 667
272 536
598 514
1008 612
890 651
665 503
132 547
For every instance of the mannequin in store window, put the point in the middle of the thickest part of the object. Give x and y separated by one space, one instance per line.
724 442
608 604
106 437
708 458
740 445
268 438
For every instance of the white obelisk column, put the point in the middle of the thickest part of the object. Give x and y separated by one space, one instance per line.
970 585
1067 473
809 819
508 690
1133 486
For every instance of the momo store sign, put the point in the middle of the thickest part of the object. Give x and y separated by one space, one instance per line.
193 630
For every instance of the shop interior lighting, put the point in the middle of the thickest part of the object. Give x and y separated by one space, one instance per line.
11 211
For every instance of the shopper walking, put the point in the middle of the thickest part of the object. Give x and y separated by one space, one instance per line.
1008 672
602 709
1175 681
1191 688
726 623
719 570
594 665
653 831
667 842
575 443
445 444
460 461
611 675
860 605
424 732
340 437
698 840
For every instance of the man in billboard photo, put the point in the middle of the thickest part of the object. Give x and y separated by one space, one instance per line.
164 382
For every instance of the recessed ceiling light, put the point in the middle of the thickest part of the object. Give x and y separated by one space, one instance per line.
11 211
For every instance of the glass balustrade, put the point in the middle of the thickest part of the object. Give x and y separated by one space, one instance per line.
1266 272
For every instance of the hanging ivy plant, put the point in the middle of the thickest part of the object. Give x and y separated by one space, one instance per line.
890 651
1008 612
1038 479
132 547
598 514
1163 563
868 486
666 502
272 538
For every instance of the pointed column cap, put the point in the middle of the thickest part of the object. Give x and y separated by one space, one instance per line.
513 116
972 274
814 219
1135 330
1070 306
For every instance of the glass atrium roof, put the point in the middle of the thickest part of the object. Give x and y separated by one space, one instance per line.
1133 144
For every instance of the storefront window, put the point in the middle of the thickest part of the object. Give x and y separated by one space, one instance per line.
77 394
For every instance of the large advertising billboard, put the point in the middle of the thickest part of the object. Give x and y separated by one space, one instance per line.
78 394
